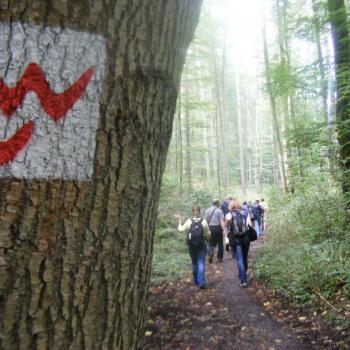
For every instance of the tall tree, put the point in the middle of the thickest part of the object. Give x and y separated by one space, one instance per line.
77 228
321 66
341 43
242 163
188 144
276 127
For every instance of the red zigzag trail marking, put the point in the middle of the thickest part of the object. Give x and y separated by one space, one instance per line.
33 79
55 105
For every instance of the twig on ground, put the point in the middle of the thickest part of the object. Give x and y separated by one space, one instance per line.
327 302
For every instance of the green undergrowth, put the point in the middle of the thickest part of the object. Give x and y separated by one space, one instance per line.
307 257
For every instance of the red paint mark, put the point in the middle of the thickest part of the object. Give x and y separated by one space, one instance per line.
11 147
55 105
33 79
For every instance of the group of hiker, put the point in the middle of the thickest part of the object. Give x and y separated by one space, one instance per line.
228 223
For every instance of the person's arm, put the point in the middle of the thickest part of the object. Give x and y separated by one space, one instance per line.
185 226
249 221
224 227
207 233
222 219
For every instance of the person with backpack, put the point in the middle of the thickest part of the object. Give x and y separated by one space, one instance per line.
256 214
198 234
216 222
238 223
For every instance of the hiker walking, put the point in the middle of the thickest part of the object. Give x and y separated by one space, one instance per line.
216 222
256 213
197 235
238 221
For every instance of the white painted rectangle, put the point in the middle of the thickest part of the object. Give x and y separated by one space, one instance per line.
62 148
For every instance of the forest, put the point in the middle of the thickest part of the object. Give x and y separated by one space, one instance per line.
125 125
262 111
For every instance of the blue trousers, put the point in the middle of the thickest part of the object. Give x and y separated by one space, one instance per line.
256 224
198 255
241 248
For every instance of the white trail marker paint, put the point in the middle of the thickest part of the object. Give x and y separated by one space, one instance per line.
49 101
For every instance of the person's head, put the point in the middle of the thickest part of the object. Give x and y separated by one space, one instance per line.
257 201
216 203
262 200
235 204
229 199
196 211
244 203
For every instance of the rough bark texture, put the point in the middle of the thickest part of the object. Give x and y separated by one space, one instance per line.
341 43
75 256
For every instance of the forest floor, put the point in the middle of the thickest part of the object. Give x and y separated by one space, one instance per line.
226 316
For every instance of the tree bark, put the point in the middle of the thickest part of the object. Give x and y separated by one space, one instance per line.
188 145
341 44
276 129
242 165
223 120
180 143
75 255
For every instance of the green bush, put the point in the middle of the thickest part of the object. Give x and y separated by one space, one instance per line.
307 250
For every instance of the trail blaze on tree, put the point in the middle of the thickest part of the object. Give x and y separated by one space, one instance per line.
76 237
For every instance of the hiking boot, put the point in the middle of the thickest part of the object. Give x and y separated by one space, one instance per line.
211 257
243 285
203 287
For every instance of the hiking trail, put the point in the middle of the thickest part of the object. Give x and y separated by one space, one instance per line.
223 316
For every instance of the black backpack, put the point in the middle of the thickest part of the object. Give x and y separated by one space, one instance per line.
238 223
195 235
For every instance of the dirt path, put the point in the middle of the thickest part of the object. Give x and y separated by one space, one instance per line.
224 316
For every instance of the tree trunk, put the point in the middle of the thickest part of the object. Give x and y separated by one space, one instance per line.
276 128
242 166
223 120
258 142
188 145
76 229
180 142
321 69
341 44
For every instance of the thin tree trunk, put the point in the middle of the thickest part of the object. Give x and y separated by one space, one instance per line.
341 43
242 166
217 148
258 144
181 161
324 80
276 128
76 233
223 120
188 145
